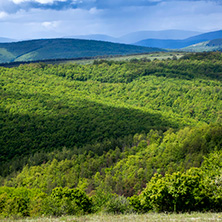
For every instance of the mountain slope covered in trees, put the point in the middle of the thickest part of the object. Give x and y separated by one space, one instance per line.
106 129
213 45
45 49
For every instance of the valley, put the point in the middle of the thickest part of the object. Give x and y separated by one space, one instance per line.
109 135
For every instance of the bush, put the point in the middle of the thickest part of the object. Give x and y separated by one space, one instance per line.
118 205
178 192
20 202
136 205
65 201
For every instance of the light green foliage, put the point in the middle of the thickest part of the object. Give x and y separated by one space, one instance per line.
20 202
173 192
88 104
108 128
127 171
64 201
193 190
137 206
212 166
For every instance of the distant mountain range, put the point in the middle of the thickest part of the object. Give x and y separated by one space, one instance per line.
2 39
165 34
46 49
97 37
140 35
178 44
167 39
67 48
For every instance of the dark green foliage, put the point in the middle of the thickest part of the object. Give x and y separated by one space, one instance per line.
45 49
203 56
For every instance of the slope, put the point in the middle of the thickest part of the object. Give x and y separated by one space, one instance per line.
108 128
133 37
63 49
3 39
46 108
177 44
213 45
163 34
97 37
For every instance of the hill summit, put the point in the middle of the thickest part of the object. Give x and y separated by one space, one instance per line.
44 49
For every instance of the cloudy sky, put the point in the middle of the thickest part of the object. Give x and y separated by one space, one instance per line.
29 19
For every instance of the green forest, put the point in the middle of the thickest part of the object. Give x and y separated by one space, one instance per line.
65 48
112 136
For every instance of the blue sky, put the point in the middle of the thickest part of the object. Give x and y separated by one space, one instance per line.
29 19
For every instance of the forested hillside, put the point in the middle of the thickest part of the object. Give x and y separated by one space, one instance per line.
105 129
46 49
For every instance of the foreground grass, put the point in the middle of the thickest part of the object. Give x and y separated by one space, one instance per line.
154 217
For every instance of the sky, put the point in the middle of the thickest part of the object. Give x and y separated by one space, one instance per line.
32 19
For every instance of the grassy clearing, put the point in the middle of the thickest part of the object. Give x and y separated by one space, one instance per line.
151 56
154 217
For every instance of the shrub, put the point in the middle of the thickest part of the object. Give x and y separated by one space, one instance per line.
65 201
136 205
118 205
20 202
178 192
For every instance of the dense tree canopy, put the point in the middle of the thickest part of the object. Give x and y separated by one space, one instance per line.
107 128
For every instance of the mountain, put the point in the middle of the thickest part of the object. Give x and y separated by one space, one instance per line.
138 36
44 49
215 42
98 37
206 36
164 34
164 43
2 39
177 44
213 45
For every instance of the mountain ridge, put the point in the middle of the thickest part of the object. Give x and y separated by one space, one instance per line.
62 48
177 44
133 37
4 39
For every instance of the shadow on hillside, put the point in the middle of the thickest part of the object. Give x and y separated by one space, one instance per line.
53 125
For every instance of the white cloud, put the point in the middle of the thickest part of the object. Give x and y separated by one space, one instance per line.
49 1
47 22
94 11
18 1
50 25
38 1
3 15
